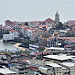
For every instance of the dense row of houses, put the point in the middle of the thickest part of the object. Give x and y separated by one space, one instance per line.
48 36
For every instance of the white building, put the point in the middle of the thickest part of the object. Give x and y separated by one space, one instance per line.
70 66
18 69
6 71
45 70
33 47
7 37
29 33
55 49
54 69
57 68
60 58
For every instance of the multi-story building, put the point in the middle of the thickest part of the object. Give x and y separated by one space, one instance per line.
8 37
46 70
6 29
71 22
51 42
59 58
33 47
57 68
70 66
54 50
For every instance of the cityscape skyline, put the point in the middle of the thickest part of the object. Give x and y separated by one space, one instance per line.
36 10
37 37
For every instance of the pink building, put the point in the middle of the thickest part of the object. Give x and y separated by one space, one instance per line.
14 23
6 28
71 22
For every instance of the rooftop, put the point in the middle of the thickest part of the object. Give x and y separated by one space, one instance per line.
43 68
56 48
49 20
6 71
23 26
59 57
67 46
69 64
26 28
12 31
54 65
41 26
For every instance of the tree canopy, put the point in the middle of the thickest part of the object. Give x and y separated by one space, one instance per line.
59 26
26 23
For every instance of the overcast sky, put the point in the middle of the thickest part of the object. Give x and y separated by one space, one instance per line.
36 10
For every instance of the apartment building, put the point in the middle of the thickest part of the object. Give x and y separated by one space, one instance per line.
70 66
8 37
60 58
46 70
54 49
57 68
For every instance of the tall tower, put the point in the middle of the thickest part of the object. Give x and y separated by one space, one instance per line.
57 18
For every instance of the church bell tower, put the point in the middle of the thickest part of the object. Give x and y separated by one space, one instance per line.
57 18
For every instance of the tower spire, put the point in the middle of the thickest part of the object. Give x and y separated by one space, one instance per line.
57 18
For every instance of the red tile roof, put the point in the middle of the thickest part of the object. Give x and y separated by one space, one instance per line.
43 59
34 35
1 53
8 22
43 53
40 35
26 28
36 21
23 26
70 39
41 26
66 38
49 20
33 28
67 46
6 27
33 68
71 21
13 31
23 54
73 27
34 57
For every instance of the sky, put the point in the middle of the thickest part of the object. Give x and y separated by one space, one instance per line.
36 10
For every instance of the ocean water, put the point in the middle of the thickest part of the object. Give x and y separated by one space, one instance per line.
7 46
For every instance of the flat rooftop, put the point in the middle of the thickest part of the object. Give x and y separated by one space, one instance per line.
55 48
59 57
69 64
6 71
41 67
54 65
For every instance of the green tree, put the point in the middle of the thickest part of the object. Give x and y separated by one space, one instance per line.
26 23
21 35
60 26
